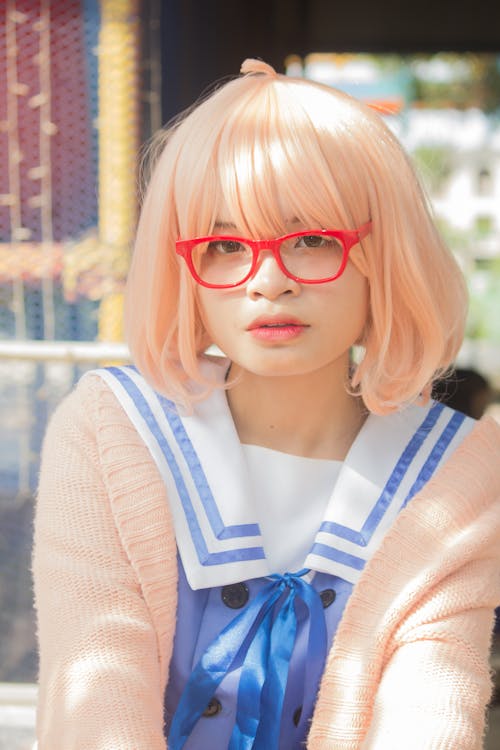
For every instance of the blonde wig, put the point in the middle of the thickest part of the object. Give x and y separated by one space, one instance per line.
264 141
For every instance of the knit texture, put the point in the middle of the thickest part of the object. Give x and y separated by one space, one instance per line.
409 664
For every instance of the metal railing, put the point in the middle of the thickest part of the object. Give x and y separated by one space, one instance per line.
64 351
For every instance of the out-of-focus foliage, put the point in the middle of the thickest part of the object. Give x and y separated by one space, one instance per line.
459 81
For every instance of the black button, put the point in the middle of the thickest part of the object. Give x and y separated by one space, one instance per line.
296 715
327 597
213 708
235 596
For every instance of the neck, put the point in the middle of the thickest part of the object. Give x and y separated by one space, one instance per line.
309 415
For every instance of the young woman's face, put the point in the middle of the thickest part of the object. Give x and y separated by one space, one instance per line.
275 326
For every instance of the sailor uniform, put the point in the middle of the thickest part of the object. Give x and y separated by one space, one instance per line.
274 477
220 545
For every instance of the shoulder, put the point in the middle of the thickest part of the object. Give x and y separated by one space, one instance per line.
454 517
86 398
90 429
447 538
93 458
473 468
458 510
448 442
87 413
485 435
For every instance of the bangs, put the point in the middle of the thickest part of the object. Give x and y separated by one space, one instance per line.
270 165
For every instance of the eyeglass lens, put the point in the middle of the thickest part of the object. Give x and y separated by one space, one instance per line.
311 257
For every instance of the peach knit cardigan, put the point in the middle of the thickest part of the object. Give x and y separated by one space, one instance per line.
408 669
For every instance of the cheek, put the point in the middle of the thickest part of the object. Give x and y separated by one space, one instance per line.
351 301
363 301
353 310
363 307
214 310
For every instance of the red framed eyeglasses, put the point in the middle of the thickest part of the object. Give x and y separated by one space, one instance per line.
314 256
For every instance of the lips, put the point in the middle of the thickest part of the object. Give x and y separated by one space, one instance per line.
276 321
276 330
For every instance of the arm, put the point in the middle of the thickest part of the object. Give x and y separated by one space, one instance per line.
436 682
409 666
100 686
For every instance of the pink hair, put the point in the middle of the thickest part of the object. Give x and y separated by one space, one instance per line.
264 141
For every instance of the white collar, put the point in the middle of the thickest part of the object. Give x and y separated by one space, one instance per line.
201 462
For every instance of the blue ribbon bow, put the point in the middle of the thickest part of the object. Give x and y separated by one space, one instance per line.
260 640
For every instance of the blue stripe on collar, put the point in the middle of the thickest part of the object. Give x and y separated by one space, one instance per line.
220 530
363 537
347 549
206 558
431 464
337 555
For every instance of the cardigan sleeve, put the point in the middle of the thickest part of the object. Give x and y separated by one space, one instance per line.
100 682
436 683
409 665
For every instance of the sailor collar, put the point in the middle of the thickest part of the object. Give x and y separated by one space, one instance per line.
201 462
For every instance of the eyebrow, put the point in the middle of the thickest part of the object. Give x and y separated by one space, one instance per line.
230 225
224 225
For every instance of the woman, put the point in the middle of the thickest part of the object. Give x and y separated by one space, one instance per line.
288 544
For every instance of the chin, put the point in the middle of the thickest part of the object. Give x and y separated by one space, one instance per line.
273 364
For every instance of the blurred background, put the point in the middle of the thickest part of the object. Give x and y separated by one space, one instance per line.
85 83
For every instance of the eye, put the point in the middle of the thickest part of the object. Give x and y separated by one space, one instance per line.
315 240
225 247
312 240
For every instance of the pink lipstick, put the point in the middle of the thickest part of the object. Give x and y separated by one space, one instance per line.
276 328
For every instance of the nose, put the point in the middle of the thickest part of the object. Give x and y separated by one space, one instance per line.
269 280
